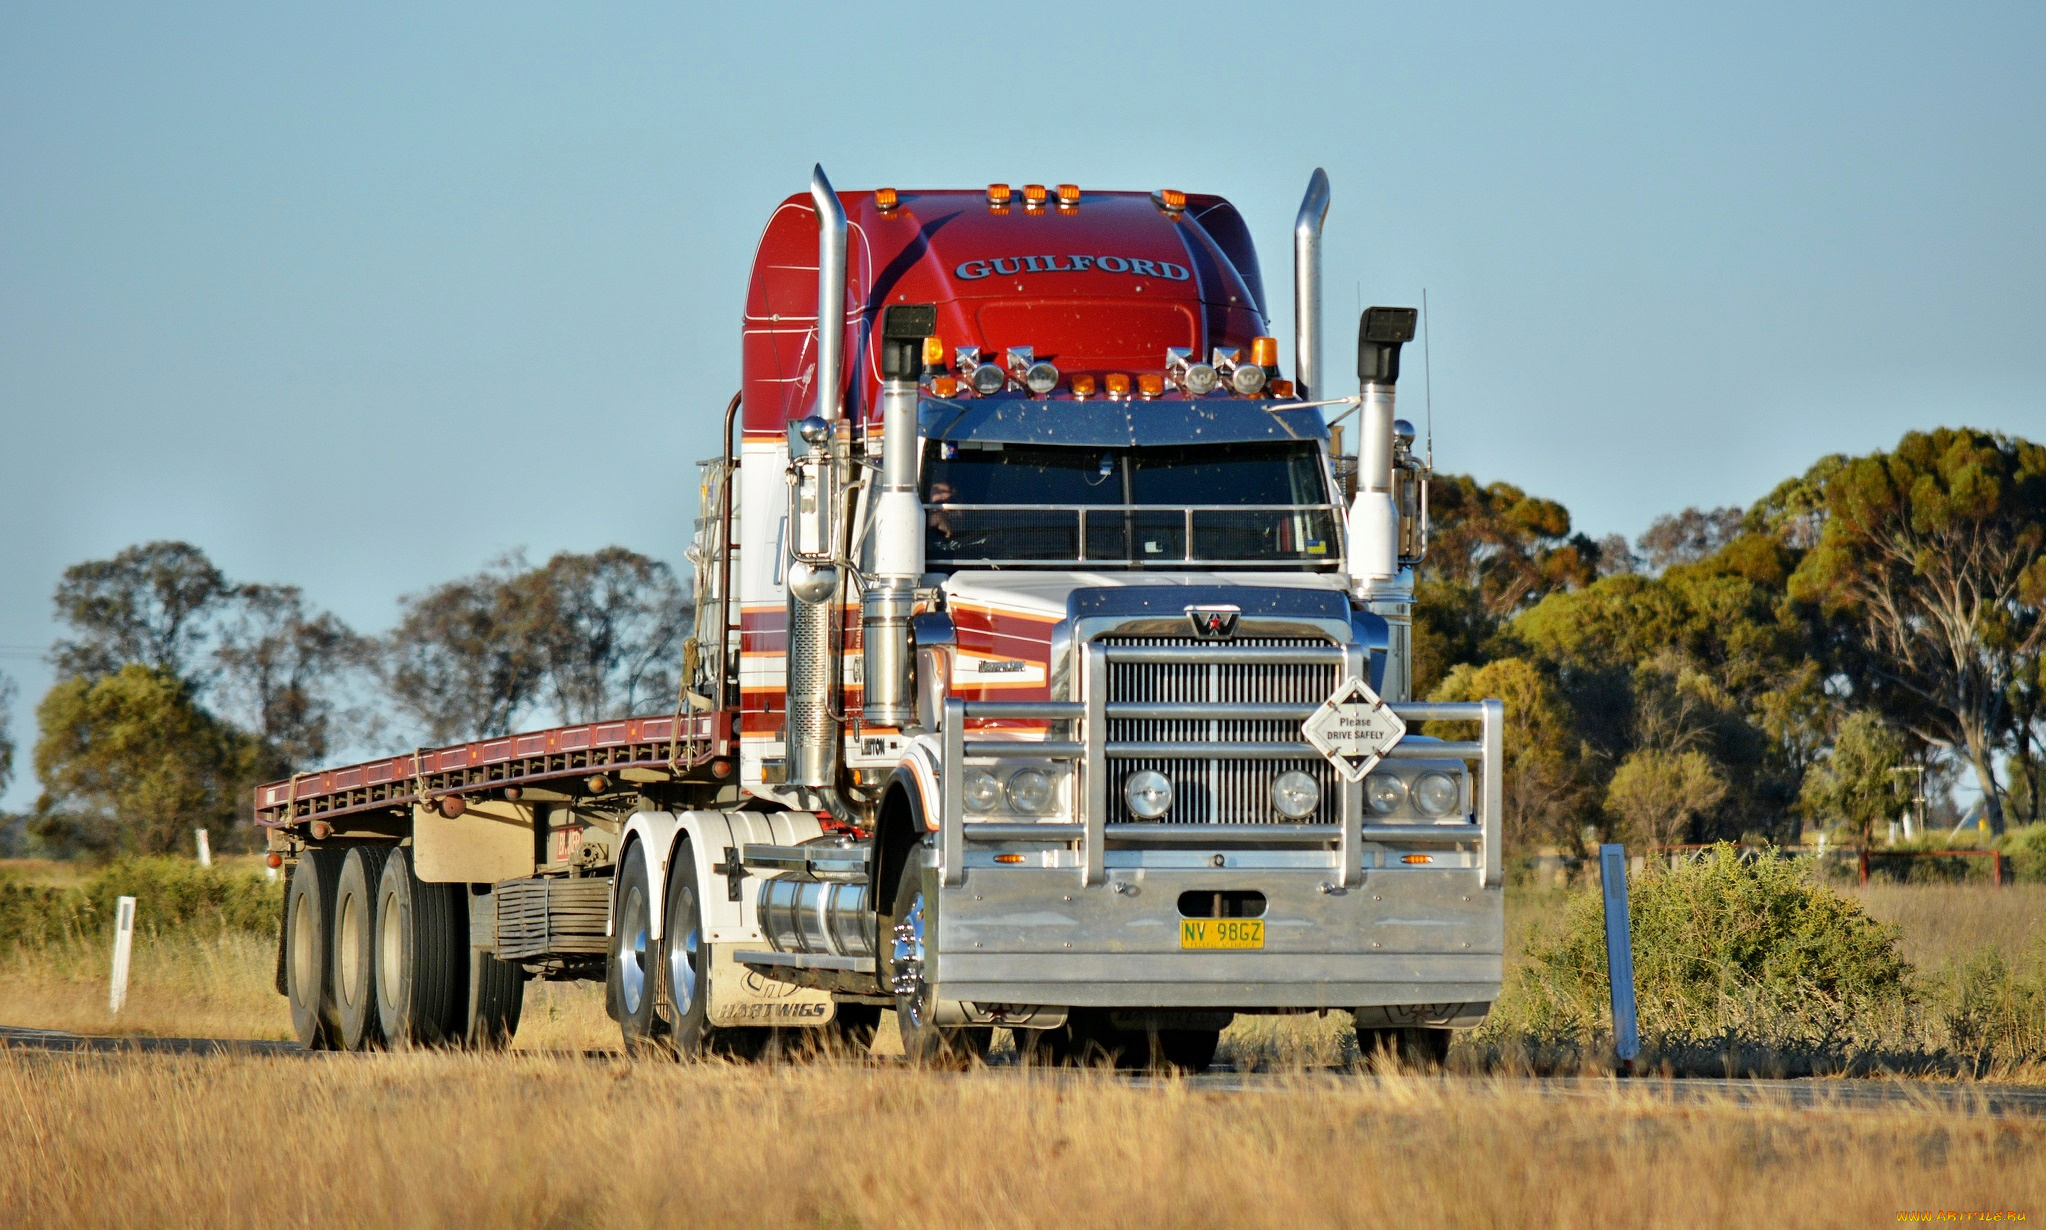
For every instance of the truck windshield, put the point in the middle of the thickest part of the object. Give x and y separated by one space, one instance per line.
1025 505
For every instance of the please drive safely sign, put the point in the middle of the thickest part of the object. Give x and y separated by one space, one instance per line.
1354 729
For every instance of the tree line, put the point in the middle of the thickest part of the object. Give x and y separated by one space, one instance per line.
1733 673
179 689
1738 672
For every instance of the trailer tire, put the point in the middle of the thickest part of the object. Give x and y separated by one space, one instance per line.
422 939
634 977
356 950
309 927
497 997
902 941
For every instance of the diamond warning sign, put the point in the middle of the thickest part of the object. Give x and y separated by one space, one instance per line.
1354 729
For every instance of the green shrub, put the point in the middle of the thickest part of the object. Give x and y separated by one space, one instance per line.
1990 1008
2025 848
1724 947
171 895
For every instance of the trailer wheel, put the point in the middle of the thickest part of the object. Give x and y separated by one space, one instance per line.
1419 1048
497 996
422 955
903 957
355 948
309 926
635 974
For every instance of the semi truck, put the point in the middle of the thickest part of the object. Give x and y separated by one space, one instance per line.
1050 672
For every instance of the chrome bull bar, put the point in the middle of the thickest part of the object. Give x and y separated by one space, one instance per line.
1091 752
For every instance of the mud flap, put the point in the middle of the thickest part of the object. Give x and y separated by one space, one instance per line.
740 996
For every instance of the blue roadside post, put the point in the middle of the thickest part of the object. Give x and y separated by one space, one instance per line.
1612 874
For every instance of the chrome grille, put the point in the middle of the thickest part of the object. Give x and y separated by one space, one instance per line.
1219 791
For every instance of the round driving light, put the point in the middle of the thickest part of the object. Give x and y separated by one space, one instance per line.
1386 793
1436 794
988 379
1247 379
1041 378
1148 793
1030 790
982 790
1199 379
1296 794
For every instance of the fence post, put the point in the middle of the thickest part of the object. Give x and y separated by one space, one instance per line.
205 850
1864 866
1998 855
1612 874
124 945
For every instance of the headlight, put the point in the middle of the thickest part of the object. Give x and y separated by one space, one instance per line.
1436 794
1030 790
1386 793
1148 793
983 792
1296 795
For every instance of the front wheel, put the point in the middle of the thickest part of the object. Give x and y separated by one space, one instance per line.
906 955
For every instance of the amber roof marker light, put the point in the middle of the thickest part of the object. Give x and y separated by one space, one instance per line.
998 194
1069 195
884 198
1171 200
1033 196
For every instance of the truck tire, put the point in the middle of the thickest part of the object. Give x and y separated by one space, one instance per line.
309 929
422 938
497 996
1416 1047
355 948
634 982
684 1003
902 963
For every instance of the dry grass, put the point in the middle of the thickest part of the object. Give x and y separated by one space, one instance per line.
1941 923
437 1140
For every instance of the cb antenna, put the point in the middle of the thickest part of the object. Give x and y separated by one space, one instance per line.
1427 378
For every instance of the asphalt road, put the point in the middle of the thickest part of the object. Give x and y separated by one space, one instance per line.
1815 1094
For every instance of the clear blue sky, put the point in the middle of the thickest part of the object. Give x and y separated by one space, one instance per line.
356 301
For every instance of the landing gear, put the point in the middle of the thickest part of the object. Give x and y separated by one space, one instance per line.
903 960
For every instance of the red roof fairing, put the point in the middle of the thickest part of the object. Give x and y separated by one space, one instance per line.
1106 285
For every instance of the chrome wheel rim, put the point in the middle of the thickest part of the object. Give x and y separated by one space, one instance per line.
632 944
908 954
682 953
390 941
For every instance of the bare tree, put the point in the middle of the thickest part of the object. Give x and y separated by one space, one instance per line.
1688 536
468 658
283 672
7 694
150 604
612 627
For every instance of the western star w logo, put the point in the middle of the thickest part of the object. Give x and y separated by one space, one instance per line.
1214 623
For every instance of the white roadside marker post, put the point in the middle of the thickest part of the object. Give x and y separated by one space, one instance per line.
205 851
1612 874
124 947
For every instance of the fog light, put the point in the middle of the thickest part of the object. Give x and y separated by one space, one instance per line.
1386 793
1149 794
988 379
1436 794
1247 380
1296 795
1030 790
1041 378
982 790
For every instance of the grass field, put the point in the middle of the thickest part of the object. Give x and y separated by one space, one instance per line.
441 1140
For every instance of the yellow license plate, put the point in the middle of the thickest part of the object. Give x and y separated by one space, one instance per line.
1221 933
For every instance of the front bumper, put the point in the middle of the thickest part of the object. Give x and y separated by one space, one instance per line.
1033 936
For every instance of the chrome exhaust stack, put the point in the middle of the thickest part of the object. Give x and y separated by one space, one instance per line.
1307 287
1378 575
898 533
816 541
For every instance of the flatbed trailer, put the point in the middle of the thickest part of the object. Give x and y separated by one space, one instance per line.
1050 672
